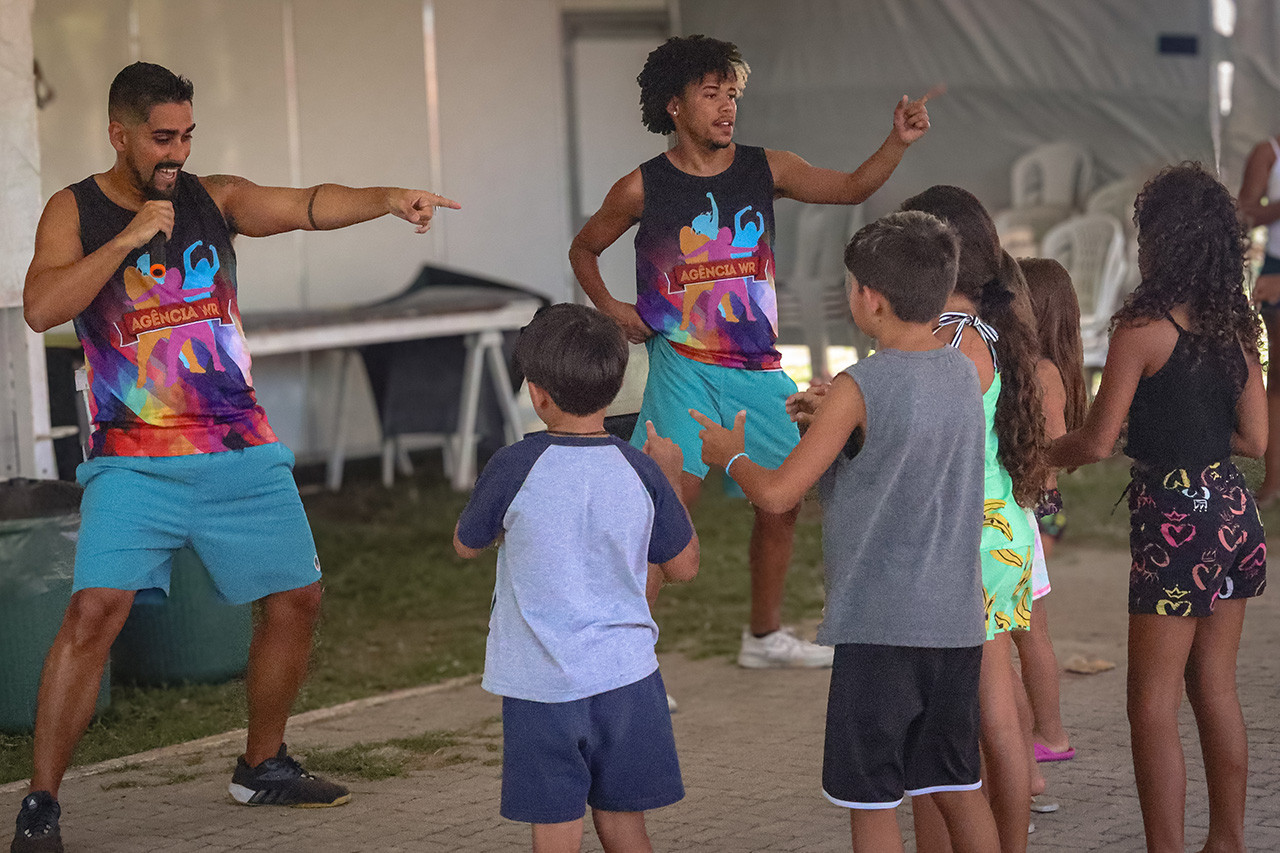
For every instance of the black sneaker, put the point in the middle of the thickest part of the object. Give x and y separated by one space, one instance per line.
37 830
281 781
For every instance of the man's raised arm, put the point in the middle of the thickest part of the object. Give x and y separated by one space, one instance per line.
258 211
795 178
62 281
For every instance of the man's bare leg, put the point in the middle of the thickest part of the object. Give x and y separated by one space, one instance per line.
278 658
772 541
763 644
71 677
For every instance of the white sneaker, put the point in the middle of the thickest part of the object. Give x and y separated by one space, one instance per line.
782 648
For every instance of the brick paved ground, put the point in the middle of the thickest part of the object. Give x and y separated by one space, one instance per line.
750 746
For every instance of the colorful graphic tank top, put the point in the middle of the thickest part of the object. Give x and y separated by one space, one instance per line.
167 362
704 261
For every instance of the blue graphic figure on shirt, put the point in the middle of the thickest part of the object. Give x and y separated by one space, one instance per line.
199 279
708 224
747 236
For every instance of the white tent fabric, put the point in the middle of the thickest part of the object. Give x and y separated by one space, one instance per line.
826 74
1255 114
19 150
25 449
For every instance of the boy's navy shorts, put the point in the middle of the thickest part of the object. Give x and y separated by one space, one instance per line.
901 719
1195 537
613 751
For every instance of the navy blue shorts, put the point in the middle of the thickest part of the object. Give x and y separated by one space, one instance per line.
614 751
901 720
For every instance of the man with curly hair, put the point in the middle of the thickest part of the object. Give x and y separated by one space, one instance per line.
705 305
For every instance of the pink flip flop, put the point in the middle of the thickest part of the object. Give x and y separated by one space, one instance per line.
1044 753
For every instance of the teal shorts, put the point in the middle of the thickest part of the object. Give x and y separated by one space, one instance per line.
238 509
677 384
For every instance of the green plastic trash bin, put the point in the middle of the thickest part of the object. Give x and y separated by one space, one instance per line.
192 636
39 521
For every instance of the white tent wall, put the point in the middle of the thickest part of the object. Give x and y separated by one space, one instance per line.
464 97
1255 112
826 74
24 412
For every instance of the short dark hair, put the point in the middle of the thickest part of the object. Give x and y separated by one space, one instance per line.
575 354
142 85
911 257
676 63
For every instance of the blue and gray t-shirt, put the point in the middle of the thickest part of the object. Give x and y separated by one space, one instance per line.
580 519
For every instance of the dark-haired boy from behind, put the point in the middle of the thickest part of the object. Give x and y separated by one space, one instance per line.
579 516
896 446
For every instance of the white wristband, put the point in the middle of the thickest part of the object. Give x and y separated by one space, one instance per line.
734 459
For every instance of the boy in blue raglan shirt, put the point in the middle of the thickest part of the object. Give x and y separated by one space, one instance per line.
579 516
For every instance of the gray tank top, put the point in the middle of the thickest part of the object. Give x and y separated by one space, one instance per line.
902 516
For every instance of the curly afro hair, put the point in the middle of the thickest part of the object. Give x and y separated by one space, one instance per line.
1191 251
676 63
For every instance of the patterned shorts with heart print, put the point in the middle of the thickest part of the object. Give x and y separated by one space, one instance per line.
1195 537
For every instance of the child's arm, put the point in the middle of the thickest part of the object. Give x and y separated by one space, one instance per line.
1250 437
480 525
1054 406
683 566
465 552
778 490
1055 399
802 406
1131 348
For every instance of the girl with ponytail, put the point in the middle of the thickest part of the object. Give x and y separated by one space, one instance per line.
989 319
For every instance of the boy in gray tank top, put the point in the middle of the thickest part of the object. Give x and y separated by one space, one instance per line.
897 449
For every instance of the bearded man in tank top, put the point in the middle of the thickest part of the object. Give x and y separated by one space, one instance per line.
141 258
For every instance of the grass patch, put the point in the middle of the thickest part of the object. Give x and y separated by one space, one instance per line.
396 756
361 761
172 778
401 609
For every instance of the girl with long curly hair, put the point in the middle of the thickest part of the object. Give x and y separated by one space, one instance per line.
1183 367
988 318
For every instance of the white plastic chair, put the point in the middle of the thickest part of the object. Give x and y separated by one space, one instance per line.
1020 229
1117 198
811 293
1048 184
1092 248
1055 174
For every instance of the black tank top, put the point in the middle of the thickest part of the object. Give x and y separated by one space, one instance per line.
1183 415
704 261
168 367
